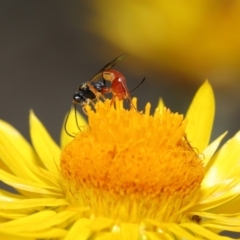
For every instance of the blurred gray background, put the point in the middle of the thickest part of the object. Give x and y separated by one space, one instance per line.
45 54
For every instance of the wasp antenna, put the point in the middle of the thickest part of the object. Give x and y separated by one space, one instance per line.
139 85
129 100
65 125
76 119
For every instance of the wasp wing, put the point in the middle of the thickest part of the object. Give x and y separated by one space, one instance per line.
108 66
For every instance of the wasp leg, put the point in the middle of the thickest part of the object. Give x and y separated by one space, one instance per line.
91 103
100 96
84 109
88 102
113 100
105 91
97 94
129 100
189 145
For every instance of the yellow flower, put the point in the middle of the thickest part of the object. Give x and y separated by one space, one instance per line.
127 175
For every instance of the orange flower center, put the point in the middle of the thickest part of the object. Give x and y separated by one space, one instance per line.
131 165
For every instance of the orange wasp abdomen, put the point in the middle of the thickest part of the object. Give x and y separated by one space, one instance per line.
118 84
119 88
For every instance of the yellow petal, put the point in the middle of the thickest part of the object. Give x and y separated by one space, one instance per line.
22 223
129 231
211 148
30 186
221 227
17 154
46 148
225 164
80 230
221 184
56 220
33 203
202 231
14 214
12 236
157 236
223 221
108 236
70 125
50 179
43 223
8 197
215 197
200 117
229 207
101 223
221 194
52 233
180 232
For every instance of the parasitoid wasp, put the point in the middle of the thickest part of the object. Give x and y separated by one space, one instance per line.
94 89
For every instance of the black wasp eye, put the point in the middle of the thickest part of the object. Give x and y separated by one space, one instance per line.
77 98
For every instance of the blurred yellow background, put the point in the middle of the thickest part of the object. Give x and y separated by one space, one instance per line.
197 39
